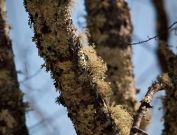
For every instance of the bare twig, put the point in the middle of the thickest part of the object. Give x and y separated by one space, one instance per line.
170 28
30 76
161 83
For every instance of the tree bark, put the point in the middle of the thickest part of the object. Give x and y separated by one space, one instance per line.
78 72
170 111
162 30
12 108
168 62
110 28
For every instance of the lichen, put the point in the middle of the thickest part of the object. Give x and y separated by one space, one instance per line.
122 118
112 36
95 69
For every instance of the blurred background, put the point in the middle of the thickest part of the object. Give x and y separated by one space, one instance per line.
44 116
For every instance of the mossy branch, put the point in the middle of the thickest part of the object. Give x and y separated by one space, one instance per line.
78 72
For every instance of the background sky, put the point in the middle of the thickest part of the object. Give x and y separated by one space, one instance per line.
45 117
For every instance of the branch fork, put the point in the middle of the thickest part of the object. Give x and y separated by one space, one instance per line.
162 82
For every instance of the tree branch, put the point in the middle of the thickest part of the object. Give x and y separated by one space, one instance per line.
170 28
12 108
161 83
168 61
78 72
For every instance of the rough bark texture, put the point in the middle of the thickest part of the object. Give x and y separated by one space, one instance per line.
168 61
170 104
110 28
78 72
12 108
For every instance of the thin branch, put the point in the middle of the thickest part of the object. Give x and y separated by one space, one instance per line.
170 28
161 83
30 76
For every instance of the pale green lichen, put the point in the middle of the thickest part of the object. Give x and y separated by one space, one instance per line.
122 119
95 69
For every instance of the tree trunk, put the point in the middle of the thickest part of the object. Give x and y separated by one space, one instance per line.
12 108
168 62
78 72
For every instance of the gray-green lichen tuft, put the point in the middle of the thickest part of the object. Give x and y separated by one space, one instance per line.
122 119
95 69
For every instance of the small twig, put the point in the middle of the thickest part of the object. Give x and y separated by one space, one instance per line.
161 83
30 76
140 131
156 36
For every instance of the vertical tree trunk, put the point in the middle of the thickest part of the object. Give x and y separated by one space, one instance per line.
162 30
170 99
110 27
168 61
78 72
12 108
